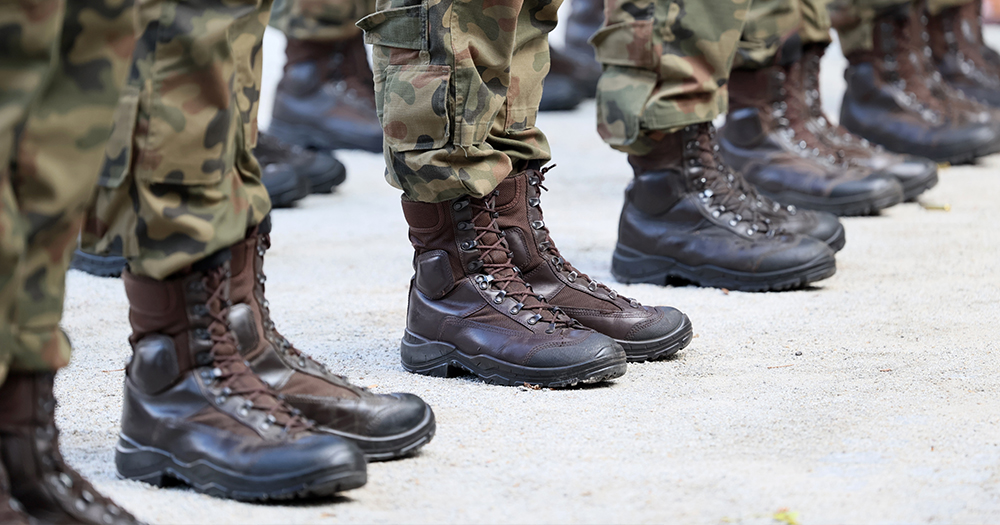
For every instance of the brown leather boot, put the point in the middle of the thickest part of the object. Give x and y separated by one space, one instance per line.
326 98
915 174
644 332
383 426
10 509
958 53
41 481
767 138
889 100
469 307
194 411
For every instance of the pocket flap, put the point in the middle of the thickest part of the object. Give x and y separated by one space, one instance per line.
403 27
626 44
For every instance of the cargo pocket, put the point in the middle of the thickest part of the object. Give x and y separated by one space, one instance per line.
626 44
118 153
415 107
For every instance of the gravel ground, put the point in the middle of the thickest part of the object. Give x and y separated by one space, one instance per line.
869 398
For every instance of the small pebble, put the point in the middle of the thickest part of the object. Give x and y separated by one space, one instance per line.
798 352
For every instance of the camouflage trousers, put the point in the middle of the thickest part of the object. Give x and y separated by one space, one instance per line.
61 70
857 19
320 20
457 87
666 64
180 181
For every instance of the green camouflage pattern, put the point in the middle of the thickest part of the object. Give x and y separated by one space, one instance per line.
457 87
180 182
70 61
666 63
816 23
320 20
769 24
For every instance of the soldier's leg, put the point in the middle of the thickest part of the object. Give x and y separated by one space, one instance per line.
892 96
49 170
325 99
458 101
666 73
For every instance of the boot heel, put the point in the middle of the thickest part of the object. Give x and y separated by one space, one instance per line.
426 357
136 463
632 266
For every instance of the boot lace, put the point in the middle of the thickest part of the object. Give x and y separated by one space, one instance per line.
549 247
908 75
232 373
722 190
499 272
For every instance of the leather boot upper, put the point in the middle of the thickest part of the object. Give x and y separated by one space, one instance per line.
590 302
328 399
48 488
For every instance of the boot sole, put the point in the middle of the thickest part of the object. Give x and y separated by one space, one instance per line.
396 446
160 468
98 265
632 266
853 205
915 188
660 348
310 137
440 359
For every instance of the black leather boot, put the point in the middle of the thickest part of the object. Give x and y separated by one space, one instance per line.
11 512
888 100
383 426
645 332
470 308
322 170
915 174
47 488
326 98
194 412
768 139
684 219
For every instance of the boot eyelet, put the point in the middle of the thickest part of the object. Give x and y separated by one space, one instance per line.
464 226
538 225
534 202
534 319
572 276
733 222
469 245
474 266
501 295
460 205
514 310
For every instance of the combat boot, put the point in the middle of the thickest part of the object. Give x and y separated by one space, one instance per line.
10 509
41 481
888 100
469 307
322 170
684 218
382 426
644 332
326 98
195 412
958 54
766 137
285 186
915 174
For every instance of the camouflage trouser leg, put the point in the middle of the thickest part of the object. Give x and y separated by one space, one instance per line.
769 24
58 153
815 22
666 63
457 87
320 20
180 181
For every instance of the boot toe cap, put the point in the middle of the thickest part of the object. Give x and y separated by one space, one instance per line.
592 348
874 186
401 413
800 252
666 321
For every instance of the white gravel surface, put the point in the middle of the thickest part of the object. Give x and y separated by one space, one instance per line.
870 398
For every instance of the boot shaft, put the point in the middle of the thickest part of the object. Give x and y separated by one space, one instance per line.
26 400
